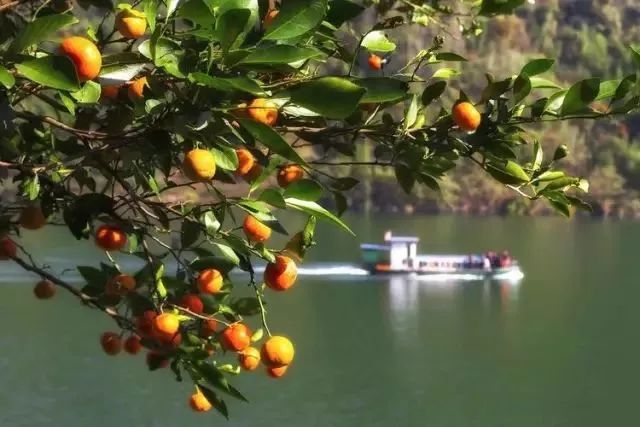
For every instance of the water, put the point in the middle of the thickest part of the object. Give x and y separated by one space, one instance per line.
558 348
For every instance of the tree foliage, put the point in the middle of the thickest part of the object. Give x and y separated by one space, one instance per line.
112 155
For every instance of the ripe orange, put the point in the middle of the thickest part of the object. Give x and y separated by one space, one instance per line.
193 303
111 343
281 274
375 62
131 23
110 238
199 402
210 281
236 337
32 218
269 18
110 92
263 111
44 289
120 285
165 326
199 165
277 351
253 173
255 230
249 358
208 328
289 174
277 372
156 360
245 161
144 323
136 89
132 345
85 56
8 248
466 116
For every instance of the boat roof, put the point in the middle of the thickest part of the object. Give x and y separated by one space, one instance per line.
403 239
374 247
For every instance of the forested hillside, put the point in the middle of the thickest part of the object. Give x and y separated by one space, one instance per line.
588 38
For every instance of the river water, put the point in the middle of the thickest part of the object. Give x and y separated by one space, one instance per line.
557 348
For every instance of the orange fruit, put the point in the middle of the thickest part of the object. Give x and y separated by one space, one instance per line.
375 62
193 303
466 116
255 230
269 18
281 274
277 351
208 328
263 111
277 372
246 161
236 337
289 174
131 23
136 89
165 326
110 238
32 218
199 402
44 289
144 323
111 343
85 56
8 248
253 173
132 345
210 281
249 358
199 165
156 360
110 92
120 285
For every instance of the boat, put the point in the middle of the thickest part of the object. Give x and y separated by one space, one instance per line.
399 255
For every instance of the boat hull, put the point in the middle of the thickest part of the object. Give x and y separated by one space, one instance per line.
448 271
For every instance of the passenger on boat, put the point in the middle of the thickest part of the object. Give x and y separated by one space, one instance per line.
487 263
505 259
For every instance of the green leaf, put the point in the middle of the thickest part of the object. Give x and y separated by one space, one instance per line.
635 53
304 189
445 73
93 276
608 89
561 152
331 97
433 92
210 222
40 30
159 285
540 83
382 89
280 54
228 84
228 253
215 401
296 17
230 27
377 41
405 177
88 94
342 11
226 157
537 66
273 197
344 184
411 114
521 88
508 173
6 78
56 72
190 233
271 139
625 86
315 209
219 263
579 96
151 10
499 7
450 56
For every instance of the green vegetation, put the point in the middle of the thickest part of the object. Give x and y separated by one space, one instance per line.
109 115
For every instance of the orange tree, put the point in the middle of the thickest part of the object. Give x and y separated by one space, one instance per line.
101 119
